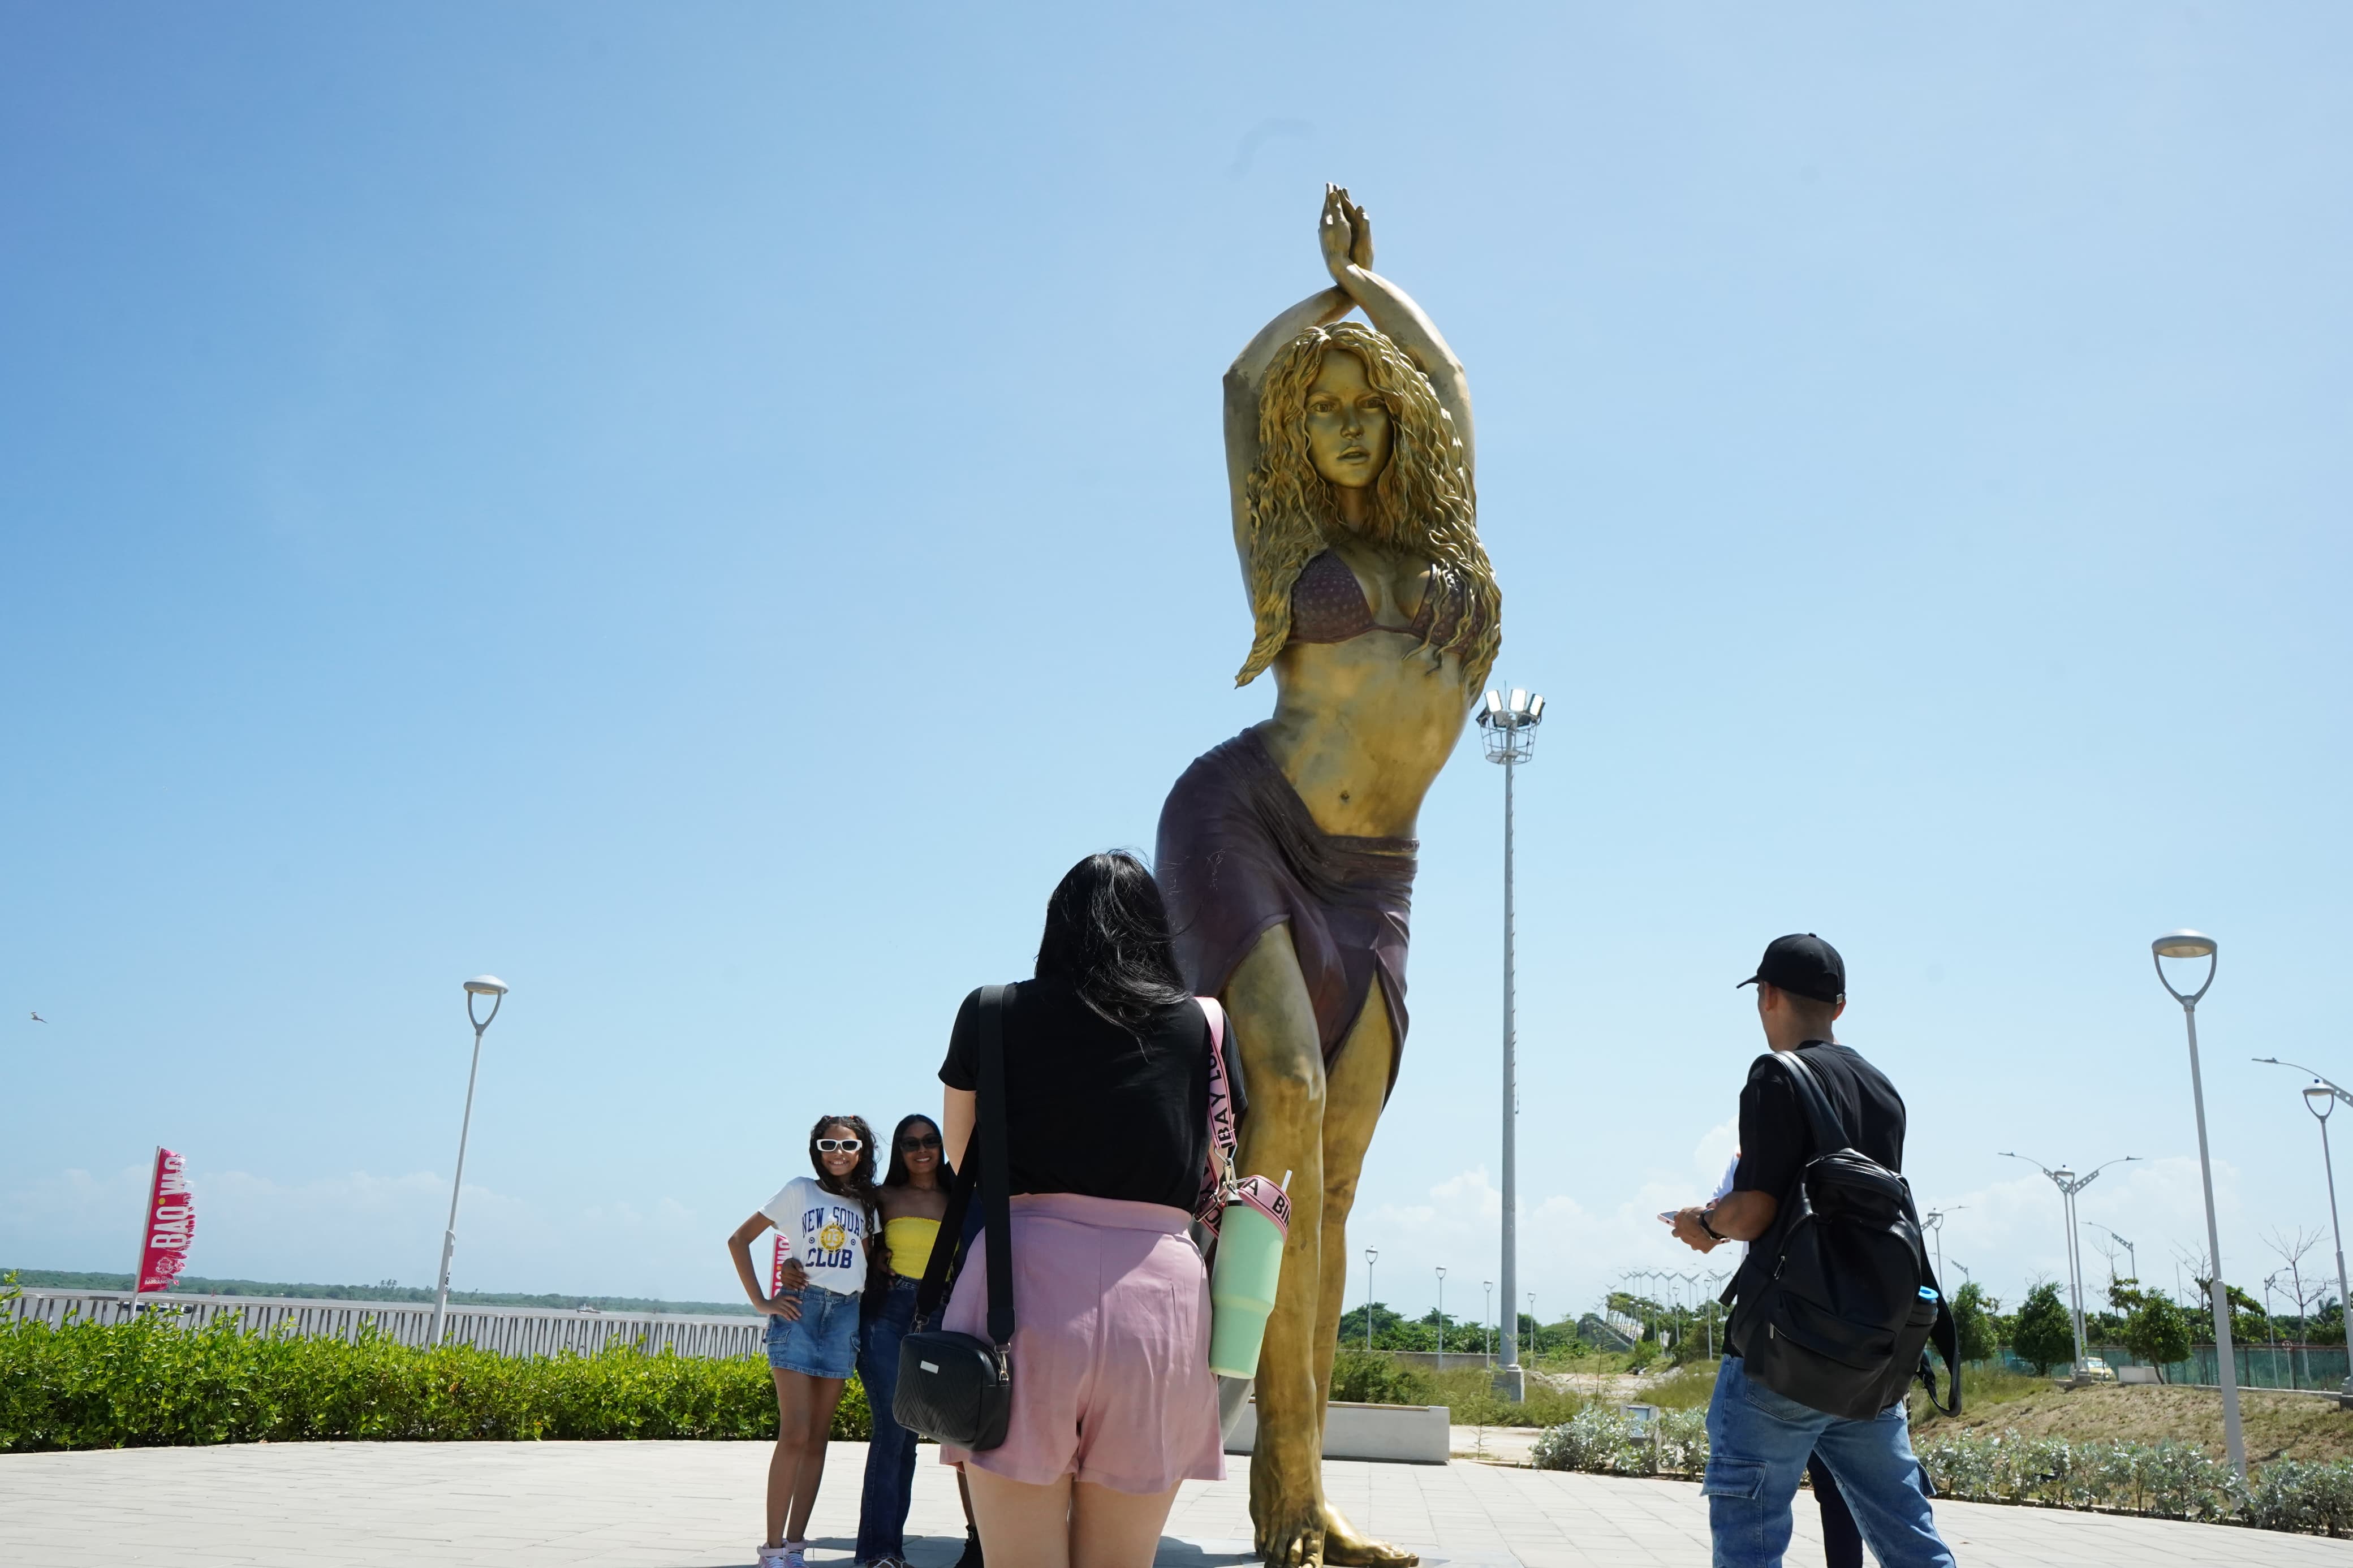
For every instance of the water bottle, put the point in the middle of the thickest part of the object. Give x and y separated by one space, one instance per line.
1251 1229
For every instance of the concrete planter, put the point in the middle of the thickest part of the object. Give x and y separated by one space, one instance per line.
1401 1434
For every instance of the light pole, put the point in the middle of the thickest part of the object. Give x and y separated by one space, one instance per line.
1372 1254
2128 1246
492 987
1536 1326
1508 725
1442 1316
1934 1220
2197 944
2069 1183
1487 1324
2320 1098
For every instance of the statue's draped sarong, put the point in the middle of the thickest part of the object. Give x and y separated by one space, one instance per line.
1238 854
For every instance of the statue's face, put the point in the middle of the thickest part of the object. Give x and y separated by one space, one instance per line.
1348 423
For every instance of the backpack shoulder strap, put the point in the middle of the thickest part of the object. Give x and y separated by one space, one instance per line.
1821 1116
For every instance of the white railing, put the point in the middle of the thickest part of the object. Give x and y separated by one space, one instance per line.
508 1330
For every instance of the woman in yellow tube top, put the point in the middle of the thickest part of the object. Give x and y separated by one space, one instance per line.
914 1198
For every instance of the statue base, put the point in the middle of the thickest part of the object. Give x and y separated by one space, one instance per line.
1511 1382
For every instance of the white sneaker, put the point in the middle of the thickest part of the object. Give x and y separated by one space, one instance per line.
782 1557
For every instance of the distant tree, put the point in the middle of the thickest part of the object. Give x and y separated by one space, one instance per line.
1973 1317
2042 1334
2157 1332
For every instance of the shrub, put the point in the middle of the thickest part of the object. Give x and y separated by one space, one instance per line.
1599 1440
2162 1480
1368 1377
151 1381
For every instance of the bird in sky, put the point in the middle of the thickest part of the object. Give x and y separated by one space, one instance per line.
38 1019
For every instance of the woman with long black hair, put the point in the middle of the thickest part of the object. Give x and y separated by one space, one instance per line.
913 1200
1107 1096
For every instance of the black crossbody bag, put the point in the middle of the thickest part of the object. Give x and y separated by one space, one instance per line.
954 1388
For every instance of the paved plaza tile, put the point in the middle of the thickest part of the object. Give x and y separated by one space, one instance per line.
696 1505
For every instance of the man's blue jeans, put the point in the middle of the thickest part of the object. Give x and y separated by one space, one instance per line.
1756 1447
891 1451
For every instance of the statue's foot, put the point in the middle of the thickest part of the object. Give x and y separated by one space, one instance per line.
1345 1546
1286 1509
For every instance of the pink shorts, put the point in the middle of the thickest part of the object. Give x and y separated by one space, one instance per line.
1111 1347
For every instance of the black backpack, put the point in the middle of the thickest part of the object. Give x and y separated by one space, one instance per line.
1837 1300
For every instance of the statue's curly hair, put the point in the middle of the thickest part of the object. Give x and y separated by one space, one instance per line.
1423 502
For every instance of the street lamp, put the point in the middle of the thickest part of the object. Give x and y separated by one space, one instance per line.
2320 1098
2197 944
1371 1255
1934 1220
1442 1316
1508 725
1535 1327
1487 1322
2128 1246
2069 1183
492 987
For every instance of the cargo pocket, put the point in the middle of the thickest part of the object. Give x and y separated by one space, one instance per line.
1739 1479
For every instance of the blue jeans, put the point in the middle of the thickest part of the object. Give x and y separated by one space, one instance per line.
1757 1443
891 1451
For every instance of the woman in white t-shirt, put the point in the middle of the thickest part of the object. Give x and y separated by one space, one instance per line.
829 1222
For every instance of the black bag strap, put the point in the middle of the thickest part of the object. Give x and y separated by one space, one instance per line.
1947 1337
991 1172
1822 1115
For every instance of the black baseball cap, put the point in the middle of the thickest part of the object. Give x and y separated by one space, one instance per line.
1804 966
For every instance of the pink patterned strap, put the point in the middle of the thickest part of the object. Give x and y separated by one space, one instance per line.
1222 1141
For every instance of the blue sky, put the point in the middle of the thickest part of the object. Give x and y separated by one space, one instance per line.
707 511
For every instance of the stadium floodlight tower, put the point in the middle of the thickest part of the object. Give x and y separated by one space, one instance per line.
2198 945
2320 1098
1508 725
492 987
2069 1183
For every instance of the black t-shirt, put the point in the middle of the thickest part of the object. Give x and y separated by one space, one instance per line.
1091 1108
1776 1140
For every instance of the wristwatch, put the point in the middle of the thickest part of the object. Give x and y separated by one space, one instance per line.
1709 1229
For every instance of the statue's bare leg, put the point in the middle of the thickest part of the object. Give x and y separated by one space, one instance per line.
1318 1131
1354 1089
1282 1069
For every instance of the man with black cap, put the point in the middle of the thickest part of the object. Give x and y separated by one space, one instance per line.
1759 1441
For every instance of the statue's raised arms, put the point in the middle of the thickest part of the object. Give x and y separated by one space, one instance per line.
1287 853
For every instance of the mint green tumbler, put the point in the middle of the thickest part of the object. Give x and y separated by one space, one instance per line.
1251 1229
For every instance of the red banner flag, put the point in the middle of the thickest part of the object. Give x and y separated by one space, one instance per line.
171 1225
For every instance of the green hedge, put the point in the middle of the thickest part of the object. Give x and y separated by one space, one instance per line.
151 1382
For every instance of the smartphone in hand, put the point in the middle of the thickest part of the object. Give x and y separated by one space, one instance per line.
1667 1219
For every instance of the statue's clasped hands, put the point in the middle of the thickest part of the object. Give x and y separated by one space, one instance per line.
1345 235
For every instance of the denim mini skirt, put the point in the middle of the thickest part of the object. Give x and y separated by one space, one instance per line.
823 1341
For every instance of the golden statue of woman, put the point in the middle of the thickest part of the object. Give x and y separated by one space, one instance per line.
1287 853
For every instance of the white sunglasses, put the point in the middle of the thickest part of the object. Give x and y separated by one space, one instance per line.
839 1145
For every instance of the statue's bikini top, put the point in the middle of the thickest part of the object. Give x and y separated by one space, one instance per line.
1328 604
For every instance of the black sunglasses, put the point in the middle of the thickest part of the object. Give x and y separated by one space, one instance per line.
920 1142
